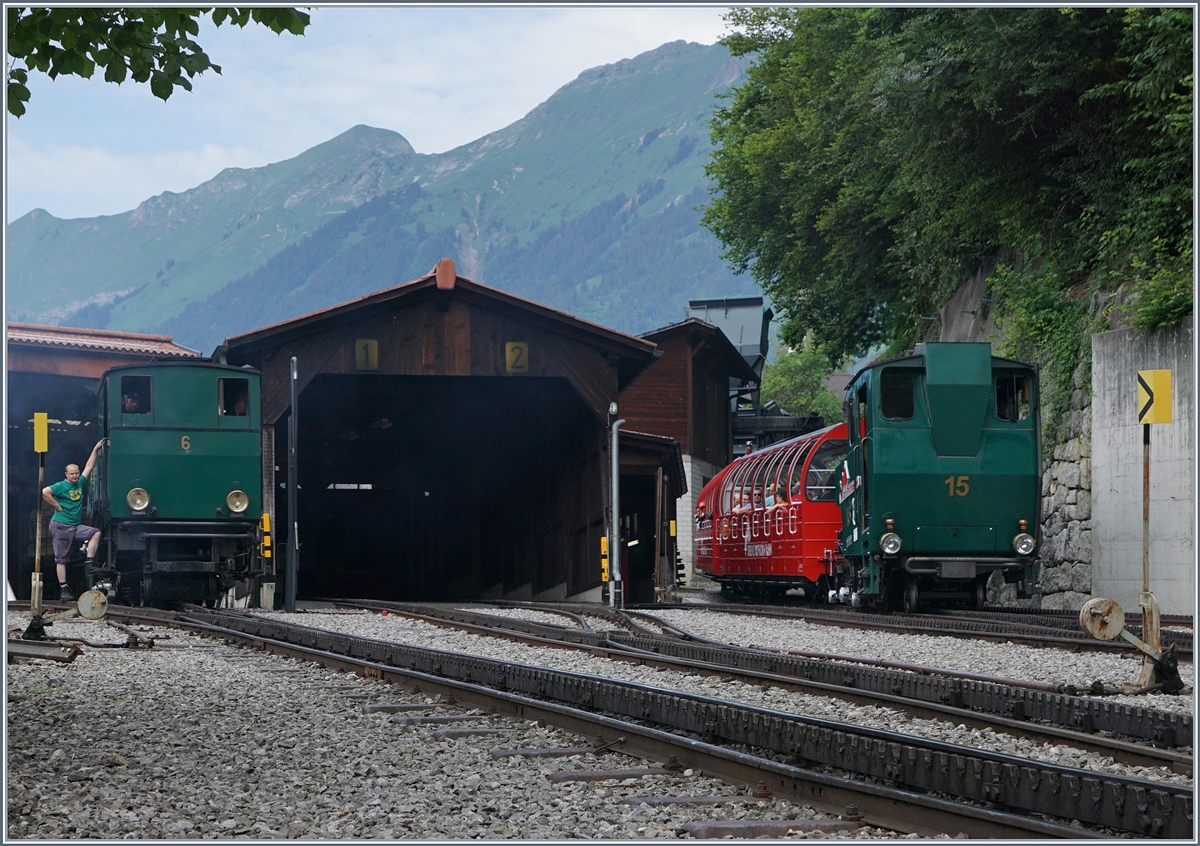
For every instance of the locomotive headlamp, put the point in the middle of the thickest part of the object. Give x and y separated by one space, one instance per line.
890 543
237 501
1024 544
137 499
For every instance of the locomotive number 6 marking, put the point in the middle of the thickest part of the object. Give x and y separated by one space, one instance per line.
185 442
957 485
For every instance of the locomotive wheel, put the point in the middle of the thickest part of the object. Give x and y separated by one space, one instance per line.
912 595
980 594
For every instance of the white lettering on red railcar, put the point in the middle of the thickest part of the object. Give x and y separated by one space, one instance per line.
758 550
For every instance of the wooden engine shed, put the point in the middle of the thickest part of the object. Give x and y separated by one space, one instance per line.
684 395
452 442
55 369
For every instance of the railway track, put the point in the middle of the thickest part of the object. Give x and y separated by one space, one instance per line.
894 781
1053 631
1037 712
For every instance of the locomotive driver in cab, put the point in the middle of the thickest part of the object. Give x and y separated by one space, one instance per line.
65 526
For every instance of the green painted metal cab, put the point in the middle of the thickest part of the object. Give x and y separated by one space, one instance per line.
178 487
941 485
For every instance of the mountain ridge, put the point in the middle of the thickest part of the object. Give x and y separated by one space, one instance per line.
602 163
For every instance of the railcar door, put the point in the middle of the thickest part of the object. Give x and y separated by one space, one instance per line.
823 518
851 484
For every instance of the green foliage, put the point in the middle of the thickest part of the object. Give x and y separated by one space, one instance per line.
147 45
877 157
1047 326
794 382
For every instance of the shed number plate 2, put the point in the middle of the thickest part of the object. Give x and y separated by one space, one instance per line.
516 357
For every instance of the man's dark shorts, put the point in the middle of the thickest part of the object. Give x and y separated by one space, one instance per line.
62 535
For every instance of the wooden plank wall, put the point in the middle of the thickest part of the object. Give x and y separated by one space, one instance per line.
441 337
656 401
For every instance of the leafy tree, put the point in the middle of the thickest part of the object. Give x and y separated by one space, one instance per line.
795 382
877 157
147 45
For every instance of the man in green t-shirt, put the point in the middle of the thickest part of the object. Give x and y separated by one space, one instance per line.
65 526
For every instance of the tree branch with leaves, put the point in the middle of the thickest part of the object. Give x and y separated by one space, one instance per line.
146 45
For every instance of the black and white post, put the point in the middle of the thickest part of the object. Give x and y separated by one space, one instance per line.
293 548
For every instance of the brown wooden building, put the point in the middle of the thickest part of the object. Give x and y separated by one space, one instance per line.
685 395
452 441
56 369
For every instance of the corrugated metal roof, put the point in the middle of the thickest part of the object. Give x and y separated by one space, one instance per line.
68 337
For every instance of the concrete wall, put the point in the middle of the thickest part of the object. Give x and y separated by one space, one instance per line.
1116 488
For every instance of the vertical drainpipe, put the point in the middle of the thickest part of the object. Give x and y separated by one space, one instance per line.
615 596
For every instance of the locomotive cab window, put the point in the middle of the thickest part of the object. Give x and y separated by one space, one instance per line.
896 393
1013 397
135 394
233 397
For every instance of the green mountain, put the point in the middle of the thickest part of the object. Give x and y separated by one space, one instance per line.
586 204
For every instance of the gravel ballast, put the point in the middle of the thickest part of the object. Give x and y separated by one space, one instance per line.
194 739
397 628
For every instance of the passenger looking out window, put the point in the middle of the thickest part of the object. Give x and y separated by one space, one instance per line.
1012 397
234 396
135 394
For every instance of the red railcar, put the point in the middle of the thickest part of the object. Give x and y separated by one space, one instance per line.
769 521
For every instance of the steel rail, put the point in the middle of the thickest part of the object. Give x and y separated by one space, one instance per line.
976 630
1120 751
873 804
1121 803
1029 712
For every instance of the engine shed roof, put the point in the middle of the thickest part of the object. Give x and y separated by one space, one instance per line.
444 324
68 337
84 353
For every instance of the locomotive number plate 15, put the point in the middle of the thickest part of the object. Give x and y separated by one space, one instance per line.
958 485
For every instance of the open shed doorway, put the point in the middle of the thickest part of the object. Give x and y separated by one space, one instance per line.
444 488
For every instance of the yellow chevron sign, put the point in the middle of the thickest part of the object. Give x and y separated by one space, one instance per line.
1154 396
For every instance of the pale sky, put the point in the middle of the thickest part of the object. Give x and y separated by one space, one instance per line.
440 76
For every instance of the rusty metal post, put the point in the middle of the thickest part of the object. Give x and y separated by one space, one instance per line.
1151 621
1146 507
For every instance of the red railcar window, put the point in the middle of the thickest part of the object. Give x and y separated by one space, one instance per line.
795 468
821 484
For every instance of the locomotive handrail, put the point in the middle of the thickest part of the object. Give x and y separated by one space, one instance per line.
205 524
196 535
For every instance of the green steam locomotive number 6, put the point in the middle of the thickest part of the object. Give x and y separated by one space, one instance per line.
179 488
941 484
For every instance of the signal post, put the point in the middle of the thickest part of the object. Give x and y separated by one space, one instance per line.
1103 618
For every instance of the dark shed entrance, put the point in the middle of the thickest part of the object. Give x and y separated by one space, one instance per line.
451 443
